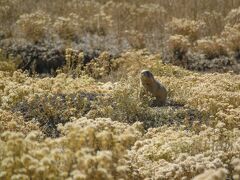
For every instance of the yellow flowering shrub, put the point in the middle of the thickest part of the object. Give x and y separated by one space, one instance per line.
89 149
6 64
218 95
19 85
218 174
121 136
173 153
211 48
13 122
34 26
67 27
185 27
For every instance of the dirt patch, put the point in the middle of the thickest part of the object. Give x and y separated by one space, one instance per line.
51 110
199 62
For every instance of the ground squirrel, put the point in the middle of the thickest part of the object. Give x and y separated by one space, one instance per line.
150 84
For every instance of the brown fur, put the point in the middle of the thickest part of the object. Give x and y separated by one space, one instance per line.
153 86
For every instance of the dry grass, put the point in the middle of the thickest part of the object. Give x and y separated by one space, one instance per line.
189 34
142 24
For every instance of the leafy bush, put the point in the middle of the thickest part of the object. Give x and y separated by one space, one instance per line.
185 27
178 46
174 153
14 123
89 149
34 26
233 17
49 110
67 28
232 36
211 48
6 64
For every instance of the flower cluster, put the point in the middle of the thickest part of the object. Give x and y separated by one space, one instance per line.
89 149
13 122
66 27
34 26
185 27
172 153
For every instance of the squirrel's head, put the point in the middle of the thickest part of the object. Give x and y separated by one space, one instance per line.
146 75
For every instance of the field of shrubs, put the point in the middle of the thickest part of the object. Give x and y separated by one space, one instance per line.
70 84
